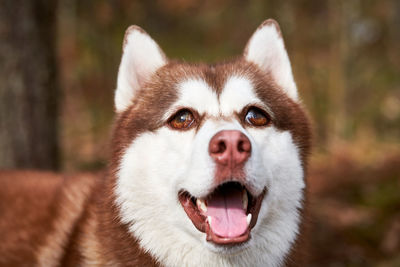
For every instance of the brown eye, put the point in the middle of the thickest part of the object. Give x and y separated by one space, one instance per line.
182 120
257 117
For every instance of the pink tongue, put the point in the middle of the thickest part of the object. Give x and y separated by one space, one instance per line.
228 218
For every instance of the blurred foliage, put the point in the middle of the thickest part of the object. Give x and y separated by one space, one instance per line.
346 61
355 211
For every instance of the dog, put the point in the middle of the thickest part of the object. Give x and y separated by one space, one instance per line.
207 168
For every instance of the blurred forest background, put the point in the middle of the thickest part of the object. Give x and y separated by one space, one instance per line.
346 61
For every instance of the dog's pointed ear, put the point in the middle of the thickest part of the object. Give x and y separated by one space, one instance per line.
267 50
141 58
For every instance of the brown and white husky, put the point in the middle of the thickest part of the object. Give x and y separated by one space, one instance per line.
207 169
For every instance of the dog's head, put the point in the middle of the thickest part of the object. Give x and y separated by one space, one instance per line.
210 159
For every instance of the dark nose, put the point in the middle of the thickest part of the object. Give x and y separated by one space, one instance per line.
230 147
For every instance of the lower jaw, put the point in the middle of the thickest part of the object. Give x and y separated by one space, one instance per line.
212 237
228 250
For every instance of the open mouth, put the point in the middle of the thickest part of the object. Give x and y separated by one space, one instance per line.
227 215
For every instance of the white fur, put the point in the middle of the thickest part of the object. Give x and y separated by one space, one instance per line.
267 50
237 94
140 59
196 94
158 164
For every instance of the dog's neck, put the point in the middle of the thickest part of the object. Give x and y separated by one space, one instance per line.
104 240
100 238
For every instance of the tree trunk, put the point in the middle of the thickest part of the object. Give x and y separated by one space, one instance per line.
337 67
28 84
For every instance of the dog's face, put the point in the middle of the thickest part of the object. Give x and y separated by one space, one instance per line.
210 159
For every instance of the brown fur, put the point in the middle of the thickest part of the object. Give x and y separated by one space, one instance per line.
51 220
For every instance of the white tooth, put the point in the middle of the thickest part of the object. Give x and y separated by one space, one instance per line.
245 200
248 219
209 219
201 205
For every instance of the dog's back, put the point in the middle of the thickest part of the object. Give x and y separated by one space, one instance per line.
39 211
